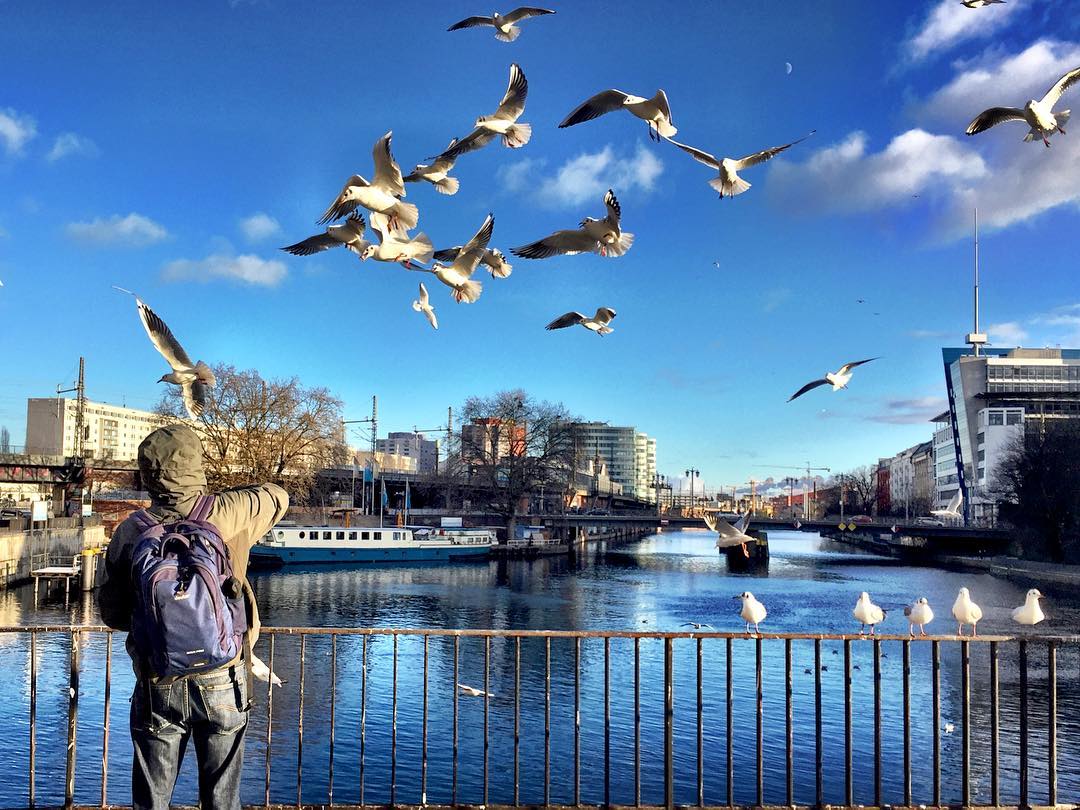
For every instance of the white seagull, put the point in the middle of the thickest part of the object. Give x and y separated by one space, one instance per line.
696 625
380 196
262 672
729 184
505 30
438 173
350 234
966 612
1038 114
494 260
952 511
502 122
598 323
1029 613
655 111
753 612
193 378
472 691
458 275
604 236
730 534
837 379
918 615
422 304
867 613
980 3
397 246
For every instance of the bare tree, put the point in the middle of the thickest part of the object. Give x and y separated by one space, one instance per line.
5 440
860 489
513 447
256 430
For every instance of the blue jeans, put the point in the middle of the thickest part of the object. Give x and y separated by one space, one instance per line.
212 708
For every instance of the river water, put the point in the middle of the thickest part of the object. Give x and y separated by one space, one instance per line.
654 584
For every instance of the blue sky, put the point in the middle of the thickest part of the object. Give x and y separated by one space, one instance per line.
173 149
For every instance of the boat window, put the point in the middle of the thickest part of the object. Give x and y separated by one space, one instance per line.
352 535
280 535
326 535
301 535
365 535
340 536
377 535
397 535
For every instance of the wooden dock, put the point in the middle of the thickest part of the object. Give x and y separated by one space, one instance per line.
52 573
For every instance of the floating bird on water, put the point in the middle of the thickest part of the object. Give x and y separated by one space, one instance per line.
1029 613
867 613
472 691
729 184
350 233
837 379
380 195
494 260
458 274
753 612
398 246
604 236
502 122
966 612
505 30
437 173
1038 114
193 378
597 323
655 111
918 615
422 304
952 511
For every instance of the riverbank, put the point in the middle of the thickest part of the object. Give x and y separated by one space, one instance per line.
1027 573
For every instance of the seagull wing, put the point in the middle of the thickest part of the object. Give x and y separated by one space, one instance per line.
524 13
477 139
563 321
603 102
312 245
604 315
473 252
559 243
194 394
341 207
710 521
767 154
661 101
513 102
387 171
614 210
471 22
844 369
162 338
699 155
807 387
423 295
995 115
1053 95
447 255
726 530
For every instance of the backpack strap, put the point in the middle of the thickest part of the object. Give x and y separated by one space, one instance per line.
201 510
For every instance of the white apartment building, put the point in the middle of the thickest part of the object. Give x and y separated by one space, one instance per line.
109 431
630 455
411 445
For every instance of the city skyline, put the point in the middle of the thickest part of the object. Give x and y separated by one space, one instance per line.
185 186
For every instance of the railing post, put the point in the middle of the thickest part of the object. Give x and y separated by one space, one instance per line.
1051 727
1023 725
669 722
73 718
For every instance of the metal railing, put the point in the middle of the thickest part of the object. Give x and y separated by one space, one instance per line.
700 719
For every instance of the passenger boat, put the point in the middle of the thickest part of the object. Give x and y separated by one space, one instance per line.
307 545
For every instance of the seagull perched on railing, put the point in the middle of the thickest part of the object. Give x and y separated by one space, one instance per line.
1037 113
472 691
867 613
380 196
753 612
655 111
837 379
918 615
1029 613
505 30
729 184
604 236
966 612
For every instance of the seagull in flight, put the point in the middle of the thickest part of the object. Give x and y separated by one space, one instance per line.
193 378
422 304
952 510
597 323
472 691
1038 114
438 173
505 30
350 234
380 196
502 122
458 274
397 246
604 236
494 260
837 379
730 534
696 625
655 111
729 183
980 3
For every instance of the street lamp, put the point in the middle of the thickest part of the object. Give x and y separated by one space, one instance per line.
692 474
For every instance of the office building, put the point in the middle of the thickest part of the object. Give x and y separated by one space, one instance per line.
411 445
630 456
109 431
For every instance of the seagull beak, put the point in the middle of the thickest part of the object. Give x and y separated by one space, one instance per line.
736 597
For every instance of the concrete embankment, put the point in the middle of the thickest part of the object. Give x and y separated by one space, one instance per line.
23 551
1027 573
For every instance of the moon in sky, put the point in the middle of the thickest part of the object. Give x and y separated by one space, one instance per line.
787 68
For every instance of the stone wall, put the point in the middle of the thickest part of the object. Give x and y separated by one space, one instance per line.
19 551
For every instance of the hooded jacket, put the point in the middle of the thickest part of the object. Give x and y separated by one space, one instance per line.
171 464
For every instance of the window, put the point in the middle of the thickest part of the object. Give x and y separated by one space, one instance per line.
352 535
301 535
397 535
1014 418
997 418
340 536
365 535
326 535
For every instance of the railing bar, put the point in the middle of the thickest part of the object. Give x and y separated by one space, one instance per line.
637 722
333 708
393 722
607 722
577 721
965 710
269 721
1023 724
487 705
1051 727
105 720
547 723
33 716
363 714
700 732
517 718
877 723
849 787
907 722
789 735
995 796
454 689
729 699
669 724
935 681
423 733
760 712
819 750
300 723
73 719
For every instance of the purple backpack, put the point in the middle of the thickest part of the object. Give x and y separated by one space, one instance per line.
190 614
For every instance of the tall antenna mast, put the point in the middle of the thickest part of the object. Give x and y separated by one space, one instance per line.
976 339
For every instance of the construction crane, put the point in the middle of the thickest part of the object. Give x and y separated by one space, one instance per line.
809 472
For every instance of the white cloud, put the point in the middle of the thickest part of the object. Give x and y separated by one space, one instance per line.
1059 326
259 226
587 176
910 411
847 178
950 23
515 176
1007 332
69 143
246 268
134 230
16 130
